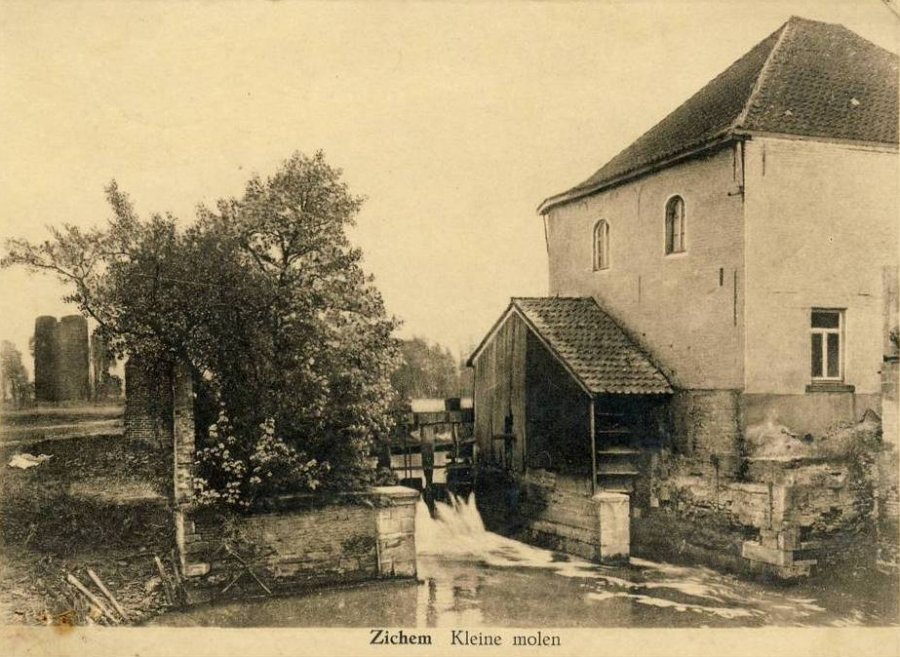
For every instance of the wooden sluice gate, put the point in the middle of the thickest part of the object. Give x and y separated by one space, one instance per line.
434 451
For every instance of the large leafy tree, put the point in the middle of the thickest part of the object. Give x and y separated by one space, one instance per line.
263 296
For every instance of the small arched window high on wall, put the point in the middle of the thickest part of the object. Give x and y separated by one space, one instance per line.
675 225
601 245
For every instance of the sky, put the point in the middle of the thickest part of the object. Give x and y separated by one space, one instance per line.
455 120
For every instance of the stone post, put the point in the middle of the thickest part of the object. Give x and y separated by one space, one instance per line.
613 513
396 527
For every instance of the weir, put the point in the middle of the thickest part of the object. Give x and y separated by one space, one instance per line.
456 532
454 527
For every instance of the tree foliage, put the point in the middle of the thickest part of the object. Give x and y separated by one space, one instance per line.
426 370
104 385
14 384
263 295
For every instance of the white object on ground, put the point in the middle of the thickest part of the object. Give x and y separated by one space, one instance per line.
26 460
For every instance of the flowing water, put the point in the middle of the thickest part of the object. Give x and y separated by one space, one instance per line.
472 578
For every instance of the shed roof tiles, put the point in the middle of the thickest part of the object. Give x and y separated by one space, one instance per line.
808 79
589 343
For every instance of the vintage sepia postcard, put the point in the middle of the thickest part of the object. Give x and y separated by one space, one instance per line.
449 328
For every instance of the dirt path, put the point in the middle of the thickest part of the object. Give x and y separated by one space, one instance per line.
104 429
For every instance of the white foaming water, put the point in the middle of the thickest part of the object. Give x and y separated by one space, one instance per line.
457 533
456 528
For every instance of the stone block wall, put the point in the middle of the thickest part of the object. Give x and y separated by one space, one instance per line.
781 519
887 510
706 425
159 409
890 401
559 512
300 541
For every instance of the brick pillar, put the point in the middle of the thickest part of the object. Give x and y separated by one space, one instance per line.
396 526
190 549
148 403
183 434
192 552
159 408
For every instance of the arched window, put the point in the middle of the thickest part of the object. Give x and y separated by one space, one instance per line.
601 245
675 225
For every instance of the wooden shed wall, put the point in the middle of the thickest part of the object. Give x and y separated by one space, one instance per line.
500 388
558 422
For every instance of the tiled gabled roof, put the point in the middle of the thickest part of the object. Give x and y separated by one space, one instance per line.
589 344
808 79
823 80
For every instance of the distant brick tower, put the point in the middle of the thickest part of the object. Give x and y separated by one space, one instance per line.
74 361
46 359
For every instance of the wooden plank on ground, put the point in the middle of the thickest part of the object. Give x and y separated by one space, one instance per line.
74 581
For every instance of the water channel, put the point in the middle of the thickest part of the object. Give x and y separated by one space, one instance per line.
473 578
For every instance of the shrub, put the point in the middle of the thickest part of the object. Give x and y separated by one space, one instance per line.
237 473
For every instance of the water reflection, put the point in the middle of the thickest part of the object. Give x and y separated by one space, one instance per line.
473 578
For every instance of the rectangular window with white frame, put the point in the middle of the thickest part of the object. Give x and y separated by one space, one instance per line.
827 344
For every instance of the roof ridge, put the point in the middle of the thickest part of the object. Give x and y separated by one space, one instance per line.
842 27
763 74
804 63
794 18
589 185
556 296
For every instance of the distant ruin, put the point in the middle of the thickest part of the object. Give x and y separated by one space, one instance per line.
46 359
63 358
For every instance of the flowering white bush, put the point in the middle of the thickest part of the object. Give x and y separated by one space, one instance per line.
235 474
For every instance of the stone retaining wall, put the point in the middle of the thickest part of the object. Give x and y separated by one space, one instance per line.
298 542
887 515
560 513
782 519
